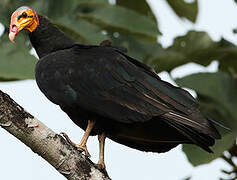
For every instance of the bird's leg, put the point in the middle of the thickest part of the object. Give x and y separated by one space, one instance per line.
68 139
101 139
82 145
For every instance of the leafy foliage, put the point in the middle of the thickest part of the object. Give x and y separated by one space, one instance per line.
196 47
216 96
185 9
141 7
109 16
12 67
88 21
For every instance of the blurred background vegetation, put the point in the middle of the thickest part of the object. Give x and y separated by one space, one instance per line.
133 25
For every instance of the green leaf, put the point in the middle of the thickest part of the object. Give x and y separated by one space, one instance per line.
118 17
141 7
185 9
196 47
196 156
95 26
226 53
82 31
53 8
192 47
15 61
137 48
218 100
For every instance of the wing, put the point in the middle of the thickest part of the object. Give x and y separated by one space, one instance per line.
104 81
111 84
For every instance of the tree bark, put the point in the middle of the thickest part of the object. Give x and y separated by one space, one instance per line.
51 146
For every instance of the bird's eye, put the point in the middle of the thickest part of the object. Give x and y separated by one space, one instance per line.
24 15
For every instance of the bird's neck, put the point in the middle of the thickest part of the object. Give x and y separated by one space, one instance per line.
47 38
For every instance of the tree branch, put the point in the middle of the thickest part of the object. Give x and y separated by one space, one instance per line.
65 158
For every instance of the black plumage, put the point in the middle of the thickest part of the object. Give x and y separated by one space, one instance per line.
128 101
107 93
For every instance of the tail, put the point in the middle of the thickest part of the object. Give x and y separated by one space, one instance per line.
199 131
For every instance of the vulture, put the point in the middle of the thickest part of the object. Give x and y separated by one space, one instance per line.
110 94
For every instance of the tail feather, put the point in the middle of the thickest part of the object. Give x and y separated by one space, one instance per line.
196 137
219 124
196 121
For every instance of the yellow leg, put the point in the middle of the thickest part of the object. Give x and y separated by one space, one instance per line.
101 139
82 145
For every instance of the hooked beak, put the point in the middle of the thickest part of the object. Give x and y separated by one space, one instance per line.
15 27
13 32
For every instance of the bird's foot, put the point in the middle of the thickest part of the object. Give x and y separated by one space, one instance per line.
80 147
68 139
101 165
84 149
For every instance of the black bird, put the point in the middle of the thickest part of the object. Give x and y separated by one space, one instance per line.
109 94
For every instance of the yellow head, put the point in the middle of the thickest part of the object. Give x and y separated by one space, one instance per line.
23 18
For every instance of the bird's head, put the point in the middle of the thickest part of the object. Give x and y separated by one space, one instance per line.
23 18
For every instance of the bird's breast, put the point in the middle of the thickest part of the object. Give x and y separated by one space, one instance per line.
55 83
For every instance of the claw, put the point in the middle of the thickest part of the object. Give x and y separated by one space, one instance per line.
83 149
101 165
68 139
82 146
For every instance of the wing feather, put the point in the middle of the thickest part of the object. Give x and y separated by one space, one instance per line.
113 85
